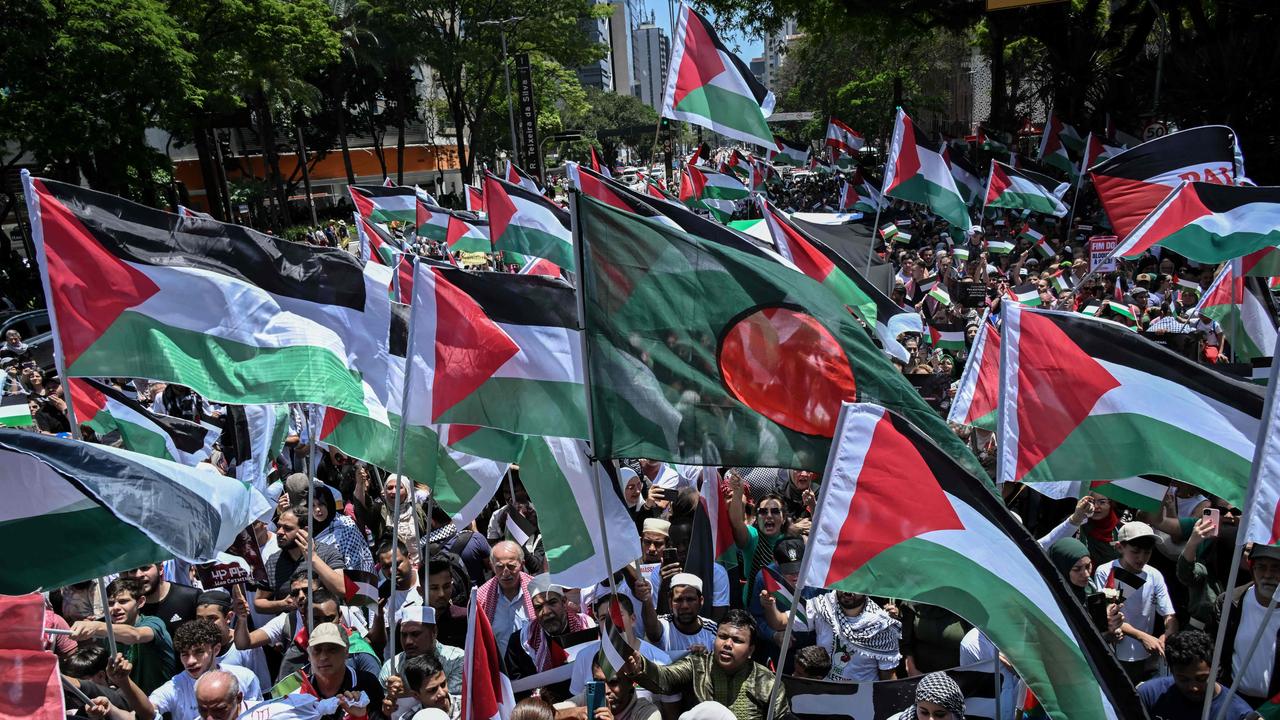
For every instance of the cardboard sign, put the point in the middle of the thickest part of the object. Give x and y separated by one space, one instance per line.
1100 246
242 563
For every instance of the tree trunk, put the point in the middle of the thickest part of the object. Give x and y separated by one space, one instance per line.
342 139
377 142
268 134
209 173
999 88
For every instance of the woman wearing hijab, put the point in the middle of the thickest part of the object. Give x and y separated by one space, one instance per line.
938 697
1071 558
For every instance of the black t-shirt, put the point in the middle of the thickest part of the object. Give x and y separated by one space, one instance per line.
359 680
92 690
280 567
177 607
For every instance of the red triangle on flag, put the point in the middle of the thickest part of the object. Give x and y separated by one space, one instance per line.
500 207
701 61
470 347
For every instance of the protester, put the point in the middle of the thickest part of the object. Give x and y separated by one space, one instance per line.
1246 619
197 643
938 697
1139 650
331 674
1180 695
148 646
542 644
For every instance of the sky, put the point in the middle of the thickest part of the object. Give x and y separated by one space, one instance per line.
746 47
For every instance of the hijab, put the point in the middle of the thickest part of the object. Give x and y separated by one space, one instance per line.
1064 554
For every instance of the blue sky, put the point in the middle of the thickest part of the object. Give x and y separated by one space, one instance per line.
746 47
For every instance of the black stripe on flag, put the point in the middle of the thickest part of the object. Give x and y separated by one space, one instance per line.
518 299
146 236
524 193
966 488
821 700
379 191
1221 198
1117 344
758 90
1186 148
188 436
399 334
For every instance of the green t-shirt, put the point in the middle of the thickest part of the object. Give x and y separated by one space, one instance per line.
154 662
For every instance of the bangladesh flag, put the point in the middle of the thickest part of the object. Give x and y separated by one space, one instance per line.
104 409
715 191
1023 189
703 354
1086 399
1209 223
238 316
960 549
558 473
917 174
819 262
978 394
525 222
95 510
709 86
462 479
497 350
1244 308
382 204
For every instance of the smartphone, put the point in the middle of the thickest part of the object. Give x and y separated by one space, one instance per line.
669 556
668 494
594 695
1215 517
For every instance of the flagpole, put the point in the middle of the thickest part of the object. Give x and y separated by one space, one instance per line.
798 596
313 432
580 259
875 225
106 611
1235 680
986 193
400 480
1237 273
995 662
1075 196
1242 534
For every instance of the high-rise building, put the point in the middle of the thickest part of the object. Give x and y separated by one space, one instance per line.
620 47
652 51
598 74
775 51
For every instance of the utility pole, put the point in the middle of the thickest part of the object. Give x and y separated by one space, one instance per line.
506 73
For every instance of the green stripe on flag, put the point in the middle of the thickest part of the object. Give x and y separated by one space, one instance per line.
727 108
526 407
536 243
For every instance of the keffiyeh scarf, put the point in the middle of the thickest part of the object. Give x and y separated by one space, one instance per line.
546 651
487 597
939 688
872 633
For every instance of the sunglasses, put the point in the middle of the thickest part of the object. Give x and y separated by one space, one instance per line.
770 511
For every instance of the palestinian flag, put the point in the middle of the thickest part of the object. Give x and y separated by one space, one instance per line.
784 594
433 223
822 264
486 691
960 253
538 266
823 699
959 549
468 236
917 174
947 337
238 316
967 180
1062 281
1263 506
1053 149
999 247
940 295
617 639
376 244
360 587
1038 241
1095 152
424 197
382 204
14 411
978 394
594 184
95 510
596 165
762 354
657 191
1134 182
1027 294
1120 309
1023 189
516 176
709 86
1244 308
475 199
496 350
558 473
463 476
842 138
293 705
104 409
1140 493
848 199
1263 263
525 222
712 538
889 231
1209 223
715 191
789 153
1087 399
259 432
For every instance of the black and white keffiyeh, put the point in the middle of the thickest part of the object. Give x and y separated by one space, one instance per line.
872 633
938 688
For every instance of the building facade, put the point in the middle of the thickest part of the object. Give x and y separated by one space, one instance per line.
652 51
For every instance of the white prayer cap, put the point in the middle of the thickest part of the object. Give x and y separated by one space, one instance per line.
657 525
542 584
424 614
687 579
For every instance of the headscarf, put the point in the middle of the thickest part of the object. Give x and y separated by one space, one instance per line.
938 688
1064 554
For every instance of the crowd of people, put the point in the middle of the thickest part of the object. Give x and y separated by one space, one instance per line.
704 647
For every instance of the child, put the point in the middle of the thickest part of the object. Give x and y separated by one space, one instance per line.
1139 648
144 640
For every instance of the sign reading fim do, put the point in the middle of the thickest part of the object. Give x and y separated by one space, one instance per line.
527 118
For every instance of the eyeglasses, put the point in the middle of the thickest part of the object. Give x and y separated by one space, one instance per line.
507 566
769 511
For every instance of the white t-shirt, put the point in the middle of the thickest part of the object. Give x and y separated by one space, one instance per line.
668 478
1141 606
676 644
847 663
1255 679
177 697
720 576
253 659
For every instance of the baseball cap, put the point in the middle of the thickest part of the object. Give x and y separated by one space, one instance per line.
1258 550
1131 531
788 553
327 634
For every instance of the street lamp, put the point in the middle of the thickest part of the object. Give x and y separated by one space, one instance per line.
506 73
568 135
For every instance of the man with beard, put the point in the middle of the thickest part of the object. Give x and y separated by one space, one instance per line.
542 644
858 634
1247 618
417 627
172 603
684 630
451 619
726 675
295 544
407 593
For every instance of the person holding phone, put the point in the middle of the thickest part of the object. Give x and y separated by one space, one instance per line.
756 541
1202 565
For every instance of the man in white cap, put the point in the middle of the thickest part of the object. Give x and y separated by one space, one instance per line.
543 643
417 625
1145 595
684 629
654 535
